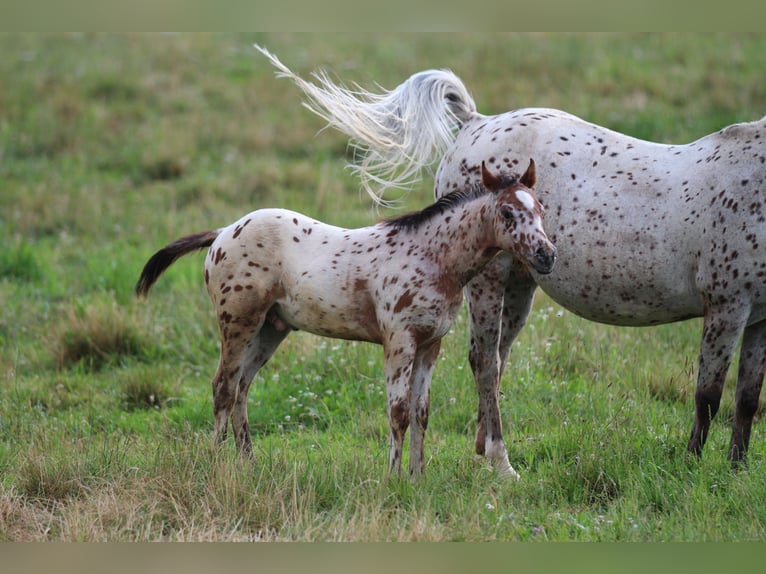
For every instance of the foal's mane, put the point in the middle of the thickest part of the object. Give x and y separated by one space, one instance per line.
412 221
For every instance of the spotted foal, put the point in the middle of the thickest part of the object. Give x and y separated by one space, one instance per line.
398 283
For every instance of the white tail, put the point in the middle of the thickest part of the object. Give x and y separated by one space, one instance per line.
395 134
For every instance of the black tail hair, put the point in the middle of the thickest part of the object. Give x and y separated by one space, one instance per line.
165 257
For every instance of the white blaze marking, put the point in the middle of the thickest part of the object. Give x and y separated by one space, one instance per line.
525 199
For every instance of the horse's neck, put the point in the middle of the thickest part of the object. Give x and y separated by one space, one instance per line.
462 240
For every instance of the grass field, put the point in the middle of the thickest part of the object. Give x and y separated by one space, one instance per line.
113 145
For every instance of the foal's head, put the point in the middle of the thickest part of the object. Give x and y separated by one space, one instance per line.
519 219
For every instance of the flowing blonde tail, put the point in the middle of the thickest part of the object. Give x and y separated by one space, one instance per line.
394 134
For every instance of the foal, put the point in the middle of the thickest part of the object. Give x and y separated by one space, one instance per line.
398 283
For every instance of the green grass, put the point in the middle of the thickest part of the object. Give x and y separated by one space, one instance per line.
113 145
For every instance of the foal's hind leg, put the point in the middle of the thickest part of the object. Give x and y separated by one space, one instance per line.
752 365
236 368
499 301
259 350
225 383
720 333
420 402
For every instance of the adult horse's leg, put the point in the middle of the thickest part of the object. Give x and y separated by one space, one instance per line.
752 365
517 303
399 354
721 331
493 328
261 348
420 383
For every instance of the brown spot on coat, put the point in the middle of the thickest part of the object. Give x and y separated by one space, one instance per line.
404 301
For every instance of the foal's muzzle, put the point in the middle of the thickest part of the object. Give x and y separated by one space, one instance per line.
544 260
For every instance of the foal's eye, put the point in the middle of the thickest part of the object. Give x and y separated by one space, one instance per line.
506 212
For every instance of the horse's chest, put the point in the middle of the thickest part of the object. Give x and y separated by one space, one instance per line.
424 309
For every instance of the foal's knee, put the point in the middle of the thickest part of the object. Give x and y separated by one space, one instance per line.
399 415
399 421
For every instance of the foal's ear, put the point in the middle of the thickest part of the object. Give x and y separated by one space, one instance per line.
489 179
529 179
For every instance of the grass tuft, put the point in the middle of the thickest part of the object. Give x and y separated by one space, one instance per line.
102 333
163 169
113 89
20 262
50 479
141 390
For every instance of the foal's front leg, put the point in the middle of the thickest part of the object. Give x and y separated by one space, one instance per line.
399 353
425 360
499 300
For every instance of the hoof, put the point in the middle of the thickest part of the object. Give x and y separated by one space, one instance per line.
504 470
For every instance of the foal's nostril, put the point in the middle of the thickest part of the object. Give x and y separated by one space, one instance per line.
546 258
544 254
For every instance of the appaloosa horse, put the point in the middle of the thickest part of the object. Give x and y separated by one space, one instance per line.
398 283
663 232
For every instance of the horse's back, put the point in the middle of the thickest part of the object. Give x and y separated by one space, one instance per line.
560 139
558 142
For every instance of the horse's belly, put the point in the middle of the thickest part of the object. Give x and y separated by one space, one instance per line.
354 320
621 301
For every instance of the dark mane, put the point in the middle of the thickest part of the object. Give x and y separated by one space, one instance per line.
415 219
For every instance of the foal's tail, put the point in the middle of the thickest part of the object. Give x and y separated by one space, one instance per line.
396 133
165 257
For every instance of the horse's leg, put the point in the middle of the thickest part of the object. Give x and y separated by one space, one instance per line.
225 382
259 350
517 303
399 353
236 336
420 402
752 365
485 302
494 324
720 333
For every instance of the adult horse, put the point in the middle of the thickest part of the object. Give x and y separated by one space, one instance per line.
663 232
